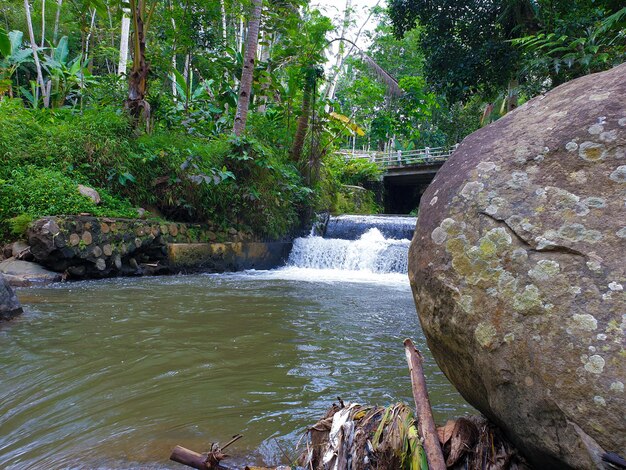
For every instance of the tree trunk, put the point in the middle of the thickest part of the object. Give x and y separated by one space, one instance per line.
43 24
138 78
92 24
174 65
188 76
223 13
245 85
332 84
240 35
264 56
57 19
121 67
33 45
302 126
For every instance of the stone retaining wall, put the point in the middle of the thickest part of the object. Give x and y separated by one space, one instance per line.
85 246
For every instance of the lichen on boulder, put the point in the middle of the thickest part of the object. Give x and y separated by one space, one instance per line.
518 266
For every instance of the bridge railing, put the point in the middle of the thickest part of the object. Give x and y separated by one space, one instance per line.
399 158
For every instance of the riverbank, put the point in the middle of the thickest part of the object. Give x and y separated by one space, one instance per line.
79 247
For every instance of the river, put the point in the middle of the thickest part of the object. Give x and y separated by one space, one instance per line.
114 373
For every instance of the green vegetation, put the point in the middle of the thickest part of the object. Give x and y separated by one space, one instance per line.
344 184
191 130
226 180
498 53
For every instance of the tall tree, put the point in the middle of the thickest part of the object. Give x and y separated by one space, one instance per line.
136 103
45 93
247 73
466 49
124 34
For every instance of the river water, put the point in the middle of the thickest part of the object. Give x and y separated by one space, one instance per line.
115 373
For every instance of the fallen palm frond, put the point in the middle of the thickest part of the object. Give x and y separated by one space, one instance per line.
356 437
390 83
361 438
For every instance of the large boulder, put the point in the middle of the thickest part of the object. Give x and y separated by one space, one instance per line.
518 268
25 273
9 305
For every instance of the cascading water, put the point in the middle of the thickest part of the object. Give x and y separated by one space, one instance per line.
365 244
370 252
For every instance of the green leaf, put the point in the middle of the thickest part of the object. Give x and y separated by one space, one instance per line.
5 43
16 41
22 55
62 50
198 92
75 68
180 79
215 109
381 427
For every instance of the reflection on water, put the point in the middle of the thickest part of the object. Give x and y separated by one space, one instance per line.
113 374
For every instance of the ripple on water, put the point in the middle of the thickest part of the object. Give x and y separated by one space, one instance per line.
114 373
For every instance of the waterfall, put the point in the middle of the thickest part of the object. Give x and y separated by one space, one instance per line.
370 252
367 244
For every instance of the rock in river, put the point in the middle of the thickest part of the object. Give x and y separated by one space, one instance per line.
9 305
518 271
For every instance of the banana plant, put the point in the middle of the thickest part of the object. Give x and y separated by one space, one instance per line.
12 56
191 93
67 77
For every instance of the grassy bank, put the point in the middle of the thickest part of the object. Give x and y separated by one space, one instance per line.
247 182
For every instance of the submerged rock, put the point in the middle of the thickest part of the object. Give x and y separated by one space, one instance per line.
9 305
518 271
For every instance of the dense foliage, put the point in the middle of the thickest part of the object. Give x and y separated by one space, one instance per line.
139 99
488 44
226 180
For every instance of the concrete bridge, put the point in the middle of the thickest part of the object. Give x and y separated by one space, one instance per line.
406 175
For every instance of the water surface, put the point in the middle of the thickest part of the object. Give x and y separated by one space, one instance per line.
114 373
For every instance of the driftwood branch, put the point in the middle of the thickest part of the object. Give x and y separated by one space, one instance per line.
189 457
208 461
426 423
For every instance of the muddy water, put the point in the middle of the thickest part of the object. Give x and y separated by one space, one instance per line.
113 374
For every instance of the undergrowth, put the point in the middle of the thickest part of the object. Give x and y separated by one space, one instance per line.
245 182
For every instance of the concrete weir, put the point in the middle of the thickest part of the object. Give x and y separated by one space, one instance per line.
228 256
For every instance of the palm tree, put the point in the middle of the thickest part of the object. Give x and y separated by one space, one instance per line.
245 85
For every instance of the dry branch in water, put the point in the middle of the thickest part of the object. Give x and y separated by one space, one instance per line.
208 461
427 428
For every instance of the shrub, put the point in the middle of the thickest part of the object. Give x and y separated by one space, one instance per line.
19 224
246 182
334 192
354 172
35 192
356 200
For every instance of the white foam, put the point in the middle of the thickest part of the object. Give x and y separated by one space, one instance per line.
371 258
